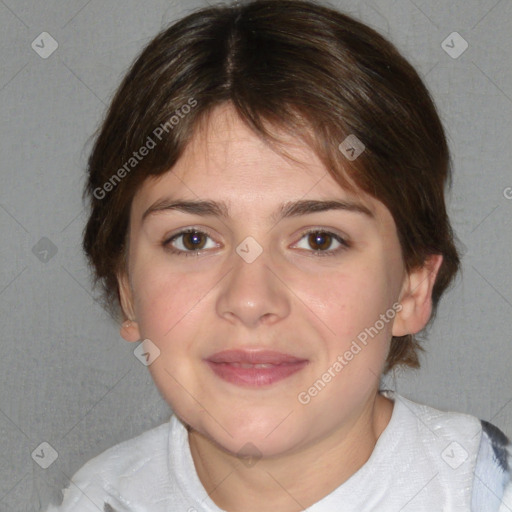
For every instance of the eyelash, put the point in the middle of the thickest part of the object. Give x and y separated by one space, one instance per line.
329 252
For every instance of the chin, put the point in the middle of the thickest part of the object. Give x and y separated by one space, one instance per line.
254 440
252 448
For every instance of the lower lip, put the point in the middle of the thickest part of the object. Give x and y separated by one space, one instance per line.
255 376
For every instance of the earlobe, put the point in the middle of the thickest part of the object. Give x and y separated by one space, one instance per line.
416 297
129 329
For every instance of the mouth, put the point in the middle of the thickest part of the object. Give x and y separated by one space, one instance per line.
254 368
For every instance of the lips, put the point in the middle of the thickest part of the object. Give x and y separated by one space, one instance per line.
253 358
254 368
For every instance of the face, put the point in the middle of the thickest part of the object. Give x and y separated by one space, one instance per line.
251 278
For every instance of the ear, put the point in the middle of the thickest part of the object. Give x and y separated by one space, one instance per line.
129 329
416 297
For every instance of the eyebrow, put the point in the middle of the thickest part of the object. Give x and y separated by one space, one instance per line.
286 210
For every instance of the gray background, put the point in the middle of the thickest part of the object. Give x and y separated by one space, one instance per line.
67 377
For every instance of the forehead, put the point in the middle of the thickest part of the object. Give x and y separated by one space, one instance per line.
224 145
225 160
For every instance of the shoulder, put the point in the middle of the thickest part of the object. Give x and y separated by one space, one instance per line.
104 476
441 425
467 453
448 442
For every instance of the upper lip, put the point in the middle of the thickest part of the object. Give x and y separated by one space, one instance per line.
253 357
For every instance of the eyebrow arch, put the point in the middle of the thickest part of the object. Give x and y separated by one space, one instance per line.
290 209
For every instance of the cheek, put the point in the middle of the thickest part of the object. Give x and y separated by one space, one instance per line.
350 301
164 298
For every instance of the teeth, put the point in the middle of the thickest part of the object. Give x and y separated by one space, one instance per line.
249 365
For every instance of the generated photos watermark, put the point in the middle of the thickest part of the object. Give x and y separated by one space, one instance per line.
150 144
304 397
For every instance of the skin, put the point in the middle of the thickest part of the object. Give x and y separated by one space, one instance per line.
289 299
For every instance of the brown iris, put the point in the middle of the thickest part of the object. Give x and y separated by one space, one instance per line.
319 240
192 240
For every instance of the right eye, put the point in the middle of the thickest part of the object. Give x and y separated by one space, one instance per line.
188 242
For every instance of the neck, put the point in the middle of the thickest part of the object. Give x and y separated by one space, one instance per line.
290 482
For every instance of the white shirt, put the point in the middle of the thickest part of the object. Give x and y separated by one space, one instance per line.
424 461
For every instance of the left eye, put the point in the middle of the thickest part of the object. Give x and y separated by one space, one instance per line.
322 241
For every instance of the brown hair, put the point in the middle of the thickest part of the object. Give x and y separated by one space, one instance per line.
307 68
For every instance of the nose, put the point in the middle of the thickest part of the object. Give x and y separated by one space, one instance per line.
253 293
